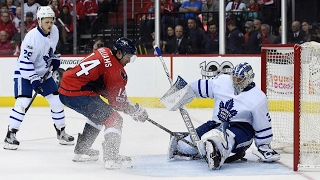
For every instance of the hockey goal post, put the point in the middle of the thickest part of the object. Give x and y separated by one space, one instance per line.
290 77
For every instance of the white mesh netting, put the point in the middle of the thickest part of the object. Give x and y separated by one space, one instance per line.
280 81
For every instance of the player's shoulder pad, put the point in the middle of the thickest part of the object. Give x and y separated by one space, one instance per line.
55 29
30 40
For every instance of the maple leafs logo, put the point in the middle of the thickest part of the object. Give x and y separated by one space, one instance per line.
48 57
225 111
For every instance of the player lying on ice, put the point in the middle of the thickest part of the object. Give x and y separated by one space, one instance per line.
99 74
240 115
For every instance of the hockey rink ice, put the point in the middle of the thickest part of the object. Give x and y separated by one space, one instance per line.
40 157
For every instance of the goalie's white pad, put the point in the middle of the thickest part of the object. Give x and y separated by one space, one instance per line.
173 152
215 141
178 95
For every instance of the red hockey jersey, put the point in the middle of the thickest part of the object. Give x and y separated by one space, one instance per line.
100 73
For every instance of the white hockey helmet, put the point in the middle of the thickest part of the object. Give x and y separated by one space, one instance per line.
242 76
43 12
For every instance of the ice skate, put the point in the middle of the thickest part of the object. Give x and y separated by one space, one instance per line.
11 142
86 155
119 162
83 152
116 162
63 137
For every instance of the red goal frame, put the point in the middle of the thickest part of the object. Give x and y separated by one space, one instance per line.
297 74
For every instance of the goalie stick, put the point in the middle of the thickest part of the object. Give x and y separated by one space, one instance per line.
37 91
185 115
171 133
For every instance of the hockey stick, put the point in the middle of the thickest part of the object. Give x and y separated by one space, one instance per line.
185 115
171 133
37 91
66 28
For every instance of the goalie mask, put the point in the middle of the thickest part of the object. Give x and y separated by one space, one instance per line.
242 76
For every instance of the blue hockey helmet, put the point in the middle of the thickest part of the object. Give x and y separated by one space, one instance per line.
125 45
242 76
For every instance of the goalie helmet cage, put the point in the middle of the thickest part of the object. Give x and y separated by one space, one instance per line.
290 77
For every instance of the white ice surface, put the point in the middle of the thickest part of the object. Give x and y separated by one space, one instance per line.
39 155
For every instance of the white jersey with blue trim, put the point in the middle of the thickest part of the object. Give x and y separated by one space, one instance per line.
249 106
37 49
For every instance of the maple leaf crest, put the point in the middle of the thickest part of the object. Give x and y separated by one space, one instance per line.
47 57
225 111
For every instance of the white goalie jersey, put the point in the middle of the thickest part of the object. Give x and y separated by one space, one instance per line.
37 51
249 106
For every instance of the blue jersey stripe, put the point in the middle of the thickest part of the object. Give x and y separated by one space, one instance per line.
23 62
199 88
24 69
207 88
265 137
266 129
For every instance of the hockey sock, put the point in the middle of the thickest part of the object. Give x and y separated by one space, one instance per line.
57 111
17 113
111 145
87 138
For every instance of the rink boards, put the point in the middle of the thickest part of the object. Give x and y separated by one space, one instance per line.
147 80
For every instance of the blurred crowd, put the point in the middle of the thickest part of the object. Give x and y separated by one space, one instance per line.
192 27
187 26
87 12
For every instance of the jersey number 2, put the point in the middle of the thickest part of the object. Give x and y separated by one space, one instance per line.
87 66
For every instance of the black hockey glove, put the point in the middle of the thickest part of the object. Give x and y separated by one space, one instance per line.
55 63
37 86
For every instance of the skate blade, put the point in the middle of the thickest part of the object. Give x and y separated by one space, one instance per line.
63 142
84 158
10 146
114 165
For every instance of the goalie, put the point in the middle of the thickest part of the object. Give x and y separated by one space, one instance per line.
240 115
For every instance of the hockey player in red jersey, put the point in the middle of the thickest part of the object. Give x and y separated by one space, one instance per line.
101 74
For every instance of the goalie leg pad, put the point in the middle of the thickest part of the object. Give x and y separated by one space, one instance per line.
216 146
178 150
213 155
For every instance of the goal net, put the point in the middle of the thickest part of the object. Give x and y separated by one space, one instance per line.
291 81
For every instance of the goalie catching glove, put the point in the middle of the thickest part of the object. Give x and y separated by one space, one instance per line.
266 154
178 95
139 113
